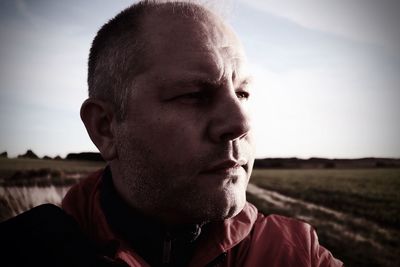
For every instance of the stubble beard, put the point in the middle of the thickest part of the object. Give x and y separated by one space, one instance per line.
162 190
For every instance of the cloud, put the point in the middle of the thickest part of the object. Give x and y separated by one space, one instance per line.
370 21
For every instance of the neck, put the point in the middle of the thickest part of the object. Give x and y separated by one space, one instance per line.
148 236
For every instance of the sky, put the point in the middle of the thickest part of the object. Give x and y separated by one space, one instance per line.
326 74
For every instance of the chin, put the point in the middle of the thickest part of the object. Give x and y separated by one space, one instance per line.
235 209
219 204
236 200
214 215
231 207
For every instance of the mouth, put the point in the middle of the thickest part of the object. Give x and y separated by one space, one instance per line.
228 167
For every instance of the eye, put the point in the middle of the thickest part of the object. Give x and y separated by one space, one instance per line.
243 95
193 97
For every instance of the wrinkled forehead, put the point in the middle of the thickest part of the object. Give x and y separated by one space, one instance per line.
168 32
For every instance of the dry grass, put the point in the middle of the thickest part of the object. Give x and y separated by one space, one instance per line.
356 212
26 183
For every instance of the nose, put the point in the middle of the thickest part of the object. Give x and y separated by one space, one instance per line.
231 120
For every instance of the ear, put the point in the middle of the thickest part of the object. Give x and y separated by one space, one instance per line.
98 118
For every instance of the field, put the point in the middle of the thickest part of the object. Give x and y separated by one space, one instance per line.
26 183
9 167
356 212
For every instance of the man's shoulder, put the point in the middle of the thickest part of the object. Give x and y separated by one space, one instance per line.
286 241
275 221
287 231
39 222
45 235
278 228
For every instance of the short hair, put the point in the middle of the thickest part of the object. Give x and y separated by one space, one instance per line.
118 51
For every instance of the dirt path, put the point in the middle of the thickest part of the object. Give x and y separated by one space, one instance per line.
339 224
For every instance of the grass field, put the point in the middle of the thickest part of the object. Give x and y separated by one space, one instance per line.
8 167
26 183
356 211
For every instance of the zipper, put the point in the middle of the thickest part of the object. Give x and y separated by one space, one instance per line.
167 249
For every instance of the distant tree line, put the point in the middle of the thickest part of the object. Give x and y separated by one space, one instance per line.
88 156
266 163
323 163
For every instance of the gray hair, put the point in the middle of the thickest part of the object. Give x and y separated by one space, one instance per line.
118 51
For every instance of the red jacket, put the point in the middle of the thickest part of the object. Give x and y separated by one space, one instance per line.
248 239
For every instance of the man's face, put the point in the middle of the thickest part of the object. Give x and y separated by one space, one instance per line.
185 153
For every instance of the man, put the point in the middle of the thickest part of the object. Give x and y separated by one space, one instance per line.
167 108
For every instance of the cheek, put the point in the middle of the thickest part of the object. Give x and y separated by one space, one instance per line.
174 133
169 132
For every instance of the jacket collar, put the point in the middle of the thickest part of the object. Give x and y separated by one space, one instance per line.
84 204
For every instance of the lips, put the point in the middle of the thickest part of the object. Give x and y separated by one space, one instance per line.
226 167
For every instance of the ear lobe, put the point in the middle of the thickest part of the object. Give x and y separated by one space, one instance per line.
98 118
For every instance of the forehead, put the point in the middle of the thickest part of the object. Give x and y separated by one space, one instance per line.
203 42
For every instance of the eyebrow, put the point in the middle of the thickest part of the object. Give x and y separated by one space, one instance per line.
206 82
193 81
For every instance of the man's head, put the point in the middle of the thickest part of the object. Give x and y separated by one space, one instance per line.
180 148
